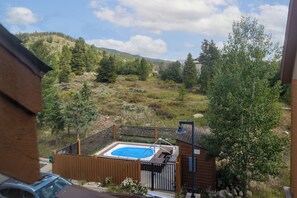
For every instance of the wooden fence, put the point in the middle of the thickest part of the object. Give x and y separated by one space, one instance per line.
178 176
96 169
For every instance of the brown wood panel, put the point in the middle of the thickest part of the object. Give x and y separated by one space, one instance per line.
205 176
18 142
95 169
19 83
294 139
178 175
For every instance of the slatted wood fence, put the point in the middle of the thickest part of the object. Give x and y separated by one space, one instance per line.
96 169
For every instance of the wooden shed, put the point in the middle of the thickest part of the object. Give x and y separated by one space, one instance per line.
205 175
20 100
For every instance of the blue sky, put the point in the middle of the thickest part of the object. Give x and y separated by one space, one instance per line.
166 29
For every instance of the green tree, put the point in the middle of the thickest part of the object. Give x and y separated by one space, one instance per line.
92 58
172 72
143 70
208 58
41 50
181 93
78 60
128 67
106 71
242 106
65 68
53 113
80 111
52 116
189 72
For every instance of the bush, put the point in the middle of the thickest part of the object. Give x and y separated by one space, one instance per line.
133 187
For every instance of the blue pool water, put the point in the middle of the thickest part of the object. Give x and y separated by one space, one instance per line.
133 152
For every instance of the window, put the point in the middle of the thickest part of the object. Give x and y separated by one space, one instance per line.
27 195
11 193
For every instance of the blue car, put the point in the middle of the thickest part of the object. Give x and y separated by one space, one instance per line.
47 187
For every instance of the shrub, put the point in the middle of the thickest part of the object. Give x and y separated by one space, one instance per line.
108 181
133 187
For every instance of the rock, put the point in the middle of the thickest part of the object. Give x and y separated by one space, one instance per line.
198 115
234 192
237 189
228 189
240 193
229 195
222 193
249 193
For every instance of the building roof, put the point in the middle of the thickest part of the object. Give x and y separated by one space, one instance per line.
15 47
290 44
198 134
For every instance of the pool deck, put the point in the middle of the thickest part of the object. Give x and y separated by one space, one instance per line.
155 159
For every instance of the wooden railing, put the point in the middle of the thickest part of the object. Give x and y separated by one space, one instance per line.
96 169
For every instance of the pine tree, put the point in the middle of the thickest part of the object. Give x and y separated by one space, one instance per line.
106 71
92 58
65 68
172 72
80 111
189 72
144 70
181 93
78 60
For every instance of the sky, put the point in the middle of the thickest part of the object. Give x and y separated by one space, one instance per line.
164 29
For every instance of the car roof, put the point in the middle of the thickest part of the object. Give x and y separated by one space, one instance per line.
46 178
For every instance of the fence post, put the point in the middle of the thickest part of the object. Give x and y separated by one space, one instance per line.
114 132
139 170
78 147
156 134
152 177
178 175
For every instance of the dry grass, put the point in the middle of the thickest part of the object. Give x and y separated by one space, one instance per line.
130 101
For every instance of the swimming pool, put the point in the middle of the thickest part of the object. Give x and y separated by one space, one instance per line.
132 152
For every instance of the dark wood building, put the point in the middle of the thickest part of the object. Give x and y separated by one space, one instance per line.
205 175
20 100
289 76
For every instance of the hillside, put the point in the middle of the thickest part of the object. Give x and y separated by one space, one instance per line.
128 101
55 41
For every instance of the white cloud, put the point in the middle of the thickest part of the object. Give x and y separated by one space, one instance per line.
21 16
206 17
138 44
274 18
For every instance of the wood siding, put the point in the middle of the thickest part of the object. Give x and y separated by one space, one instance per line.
294 139
18 142
19 82
205 176
96 169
